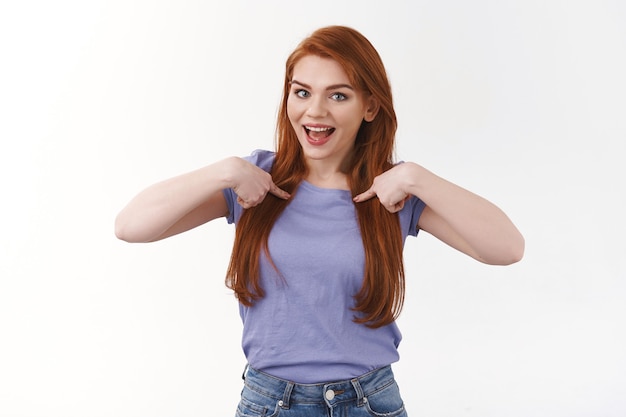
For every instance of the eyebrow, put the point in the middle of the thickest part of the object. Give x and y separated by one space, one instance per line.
330 87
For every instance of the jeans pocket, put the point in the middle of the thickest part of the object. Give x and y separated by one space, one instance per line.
254 404
386 402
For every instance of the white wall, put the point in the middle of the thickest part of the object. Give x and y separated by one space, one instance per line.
521 101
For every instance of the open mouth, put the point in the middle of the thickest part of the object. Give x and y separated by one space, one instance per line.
318 133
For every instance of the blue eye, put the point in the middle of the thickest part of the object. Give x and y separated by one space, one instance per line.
338 97
302 93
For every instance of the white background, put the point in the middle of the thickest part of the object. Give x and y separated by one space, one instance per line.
521 101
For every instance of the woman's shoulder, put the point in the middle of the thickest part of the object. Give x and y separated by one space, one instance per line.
262 158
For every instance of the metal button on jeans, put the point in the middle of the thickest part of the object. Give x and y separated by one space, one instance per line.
330 394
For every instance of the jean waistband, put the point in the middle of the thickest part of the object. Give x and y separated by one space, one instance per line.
287 392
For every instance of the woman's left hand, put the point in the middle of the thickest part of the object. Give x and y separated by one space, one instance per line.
390 188
454 215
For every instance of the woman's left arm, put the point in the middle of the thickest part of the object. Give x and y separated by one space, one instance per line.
456 216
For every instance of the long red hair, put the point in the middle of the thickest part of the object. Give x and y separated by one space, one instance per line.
381 296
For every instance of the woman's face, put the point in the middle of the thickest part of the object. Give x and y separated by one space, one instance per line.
325 110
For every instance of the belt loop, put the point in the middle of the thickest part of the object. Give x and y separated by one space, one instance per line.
245 369
284 404
359 392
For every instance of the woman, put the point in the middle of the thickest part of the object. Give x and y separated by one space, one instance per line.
317 259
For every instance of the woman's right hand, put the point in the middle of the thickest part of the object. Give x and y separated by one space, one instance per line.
251 183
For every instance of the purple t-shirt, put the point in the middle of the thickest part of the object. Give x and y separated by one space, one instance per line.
303 329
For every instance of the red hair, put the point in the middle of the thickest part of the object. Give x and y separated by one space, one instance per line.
381 296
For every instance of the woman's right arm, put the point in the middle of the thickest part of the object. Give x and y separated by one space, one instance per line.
181 203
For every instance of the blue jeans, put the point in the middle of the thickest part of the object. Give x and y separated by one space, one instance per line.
373 394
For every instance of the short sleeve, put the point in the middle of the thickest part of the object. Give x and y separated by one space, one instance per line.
410 214
415 208
261 158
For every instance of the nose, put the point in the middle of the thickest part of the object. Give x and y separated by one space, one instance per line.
317 107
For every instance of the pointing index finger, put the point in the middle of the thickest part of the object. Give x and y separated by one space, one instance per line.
365 196
278 192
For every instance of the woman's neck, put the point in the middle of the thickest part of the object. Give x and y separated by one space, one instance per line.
327 177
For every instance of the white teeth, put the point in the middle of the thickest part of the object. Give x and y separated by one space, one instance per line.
318 129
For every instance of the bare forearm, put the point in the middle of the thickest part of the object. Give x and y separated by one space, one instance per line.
491 236
157 208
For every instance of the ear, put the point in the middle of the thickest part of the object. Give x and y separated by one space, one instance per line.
371 110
